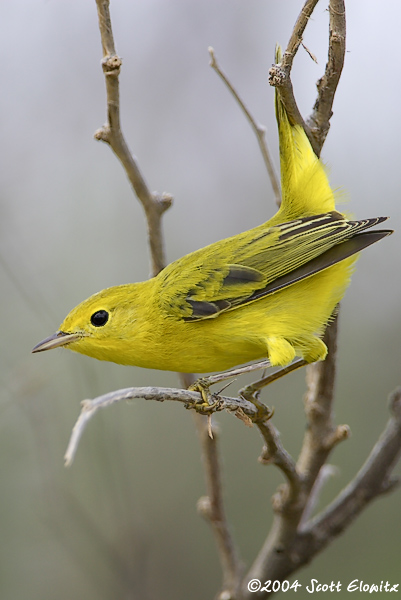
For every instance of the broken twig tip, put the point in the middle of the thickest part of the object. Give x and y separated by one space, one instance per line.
313 57
209 426
213 62
395 403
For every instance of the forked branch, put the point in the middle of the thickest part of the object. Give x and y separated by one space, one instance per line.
302 543
318 124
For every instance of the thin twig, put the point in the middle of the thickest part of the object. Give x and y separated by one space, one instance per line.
275 453
297 33
313 57
154 204
189 398
256 386
259 130
211 507
279 75
320 434
373 479
325 473
319 120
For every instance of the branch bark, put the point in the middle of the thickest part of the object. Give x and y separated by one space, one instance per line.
279 75
373 480
259 130
319 120
211 507
188 398
154 204
317 125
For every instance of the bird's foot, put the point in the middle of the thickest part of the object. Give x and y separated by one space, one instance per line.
208 403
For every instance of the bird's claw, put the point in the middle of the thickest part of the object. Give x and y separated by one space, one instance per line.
209 403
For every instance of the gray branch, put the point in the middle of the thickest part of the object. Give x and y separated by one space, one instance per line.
154 204
238 406
317 125
259 130
319 120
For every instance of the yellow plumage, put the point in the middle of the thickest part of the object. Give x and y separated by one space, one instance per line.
267 292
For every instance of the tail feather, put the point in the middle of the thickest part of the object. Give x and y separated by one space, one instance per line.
304 183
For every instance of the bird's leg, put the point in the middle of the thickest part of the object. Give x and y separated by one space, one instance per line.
206 382
210 402
251 392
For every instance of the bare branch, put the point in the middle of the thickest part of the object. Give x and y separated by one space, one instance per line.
211 507
275 453
321 434
279 75
297 33
318 124
319 120
189 398
153 204
294 543
250 390
373 480
259 130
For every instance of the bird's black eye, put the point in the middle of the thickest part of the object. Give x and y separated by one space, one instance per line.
100 318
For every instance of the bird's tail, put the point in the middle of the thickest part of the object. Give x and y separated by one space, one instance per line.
305 187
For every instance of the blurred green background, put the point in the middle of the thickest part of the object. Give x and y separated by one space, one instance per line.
122 522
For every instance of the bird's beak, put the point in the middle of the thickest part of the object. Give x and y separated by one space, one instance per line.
57 339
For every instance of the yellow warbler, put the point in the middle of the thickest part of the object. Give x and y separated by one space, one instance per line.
267 292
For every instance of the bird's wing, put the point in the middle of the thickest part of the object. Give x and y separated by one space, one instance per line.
259 262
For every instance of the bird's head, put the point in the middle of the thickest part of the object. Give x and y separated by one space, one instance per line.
101 326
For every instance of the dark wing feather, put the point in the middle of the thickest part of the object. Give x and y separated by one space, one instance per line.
329 258
239 270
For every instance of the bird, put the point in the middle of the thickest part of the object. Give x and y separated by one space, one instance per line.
268 292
